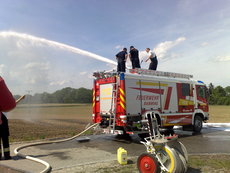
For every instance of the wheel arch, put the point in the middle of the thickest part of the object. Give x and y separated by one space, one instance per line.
199 113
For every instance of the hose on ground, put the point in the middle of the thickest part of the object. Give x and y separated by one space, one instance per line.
47 165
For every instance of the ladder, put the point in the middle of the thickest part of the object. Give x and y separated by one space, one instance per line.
113 110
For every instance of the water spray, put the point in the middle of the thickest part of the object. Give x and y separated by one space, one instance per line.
56 44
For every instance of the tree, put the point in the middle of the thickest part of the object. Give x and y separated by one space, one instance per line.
227 90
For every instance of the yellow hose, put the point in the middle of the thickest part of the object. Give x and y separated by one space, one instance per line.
47 165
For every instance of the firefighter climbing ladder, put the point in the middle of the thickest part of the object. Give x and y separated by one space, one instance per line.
113 110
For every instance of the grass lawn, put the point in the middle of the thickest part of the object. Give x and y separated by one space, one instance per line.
196 164
219 114
64 120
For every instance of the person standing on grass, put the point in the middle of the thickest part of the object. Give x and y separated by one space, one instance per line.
7 103
153 58
121 60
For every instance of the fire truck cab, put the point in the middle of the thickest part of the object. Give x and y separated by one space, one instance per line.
121 101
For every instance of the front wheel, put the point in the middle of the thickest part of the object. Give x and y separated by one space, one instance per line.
198 124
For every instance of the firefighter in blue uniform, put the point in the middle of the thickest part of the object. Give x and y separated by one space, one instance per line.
134 57
121 60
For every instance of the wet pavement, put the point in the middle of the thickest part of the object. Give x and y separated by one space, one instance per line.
214 139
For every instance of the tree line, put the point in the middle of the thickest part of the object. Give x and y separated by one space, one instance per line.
218 95
65 95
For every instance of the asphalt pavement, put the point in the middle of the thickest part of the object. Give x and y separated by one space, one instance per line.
72 156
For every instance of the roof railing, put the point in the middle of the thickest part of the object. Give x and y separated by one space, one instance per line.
105 74
160 73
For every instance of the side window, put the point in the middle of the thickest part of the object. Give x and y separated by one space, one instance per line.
201 92
185 89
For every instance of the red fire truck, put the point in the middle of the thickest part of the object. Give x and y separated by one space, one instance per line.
122 100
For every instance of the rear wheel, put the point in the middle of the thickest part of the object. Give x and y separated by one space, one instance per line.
198 124
147 163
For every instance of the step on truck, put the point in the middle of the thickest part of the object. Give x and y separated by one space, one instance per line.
121 101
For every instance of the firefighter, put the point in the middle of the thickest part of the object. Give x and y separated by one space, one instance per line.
134 57
4 137
121 60
7 103
153 58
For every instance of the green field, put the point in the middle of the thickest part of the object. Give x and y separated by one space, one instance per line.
32 122
83 112
52 111
219 114
35 122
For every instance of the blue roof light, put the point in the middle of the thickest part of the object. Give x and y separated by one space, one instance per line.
199 81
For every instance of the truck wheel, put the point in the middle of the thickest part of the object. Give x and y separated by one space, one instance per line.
198 124
147 163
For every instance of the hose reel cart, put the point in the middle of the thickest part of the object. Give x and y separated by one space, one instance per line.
164 153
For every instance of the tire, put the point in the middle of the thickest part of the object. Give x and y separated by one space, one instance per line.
183 162
169 159
198 124
147 163
179 166
180 148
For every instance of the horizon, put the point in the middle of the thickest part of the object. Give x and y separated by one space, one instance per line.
50 45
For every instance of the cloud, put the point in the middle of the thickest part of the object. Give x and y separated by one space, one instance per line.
162 49
83 73
59 83
37 65
2 68
119 47
223 58
204 44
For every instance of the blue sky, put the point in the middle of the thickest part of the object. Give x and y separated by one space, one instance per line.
188 37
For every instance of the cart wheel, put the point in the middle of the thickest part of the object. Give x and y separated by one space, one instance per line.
168 158
184 151
180 166
147 163
179 147
183 161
